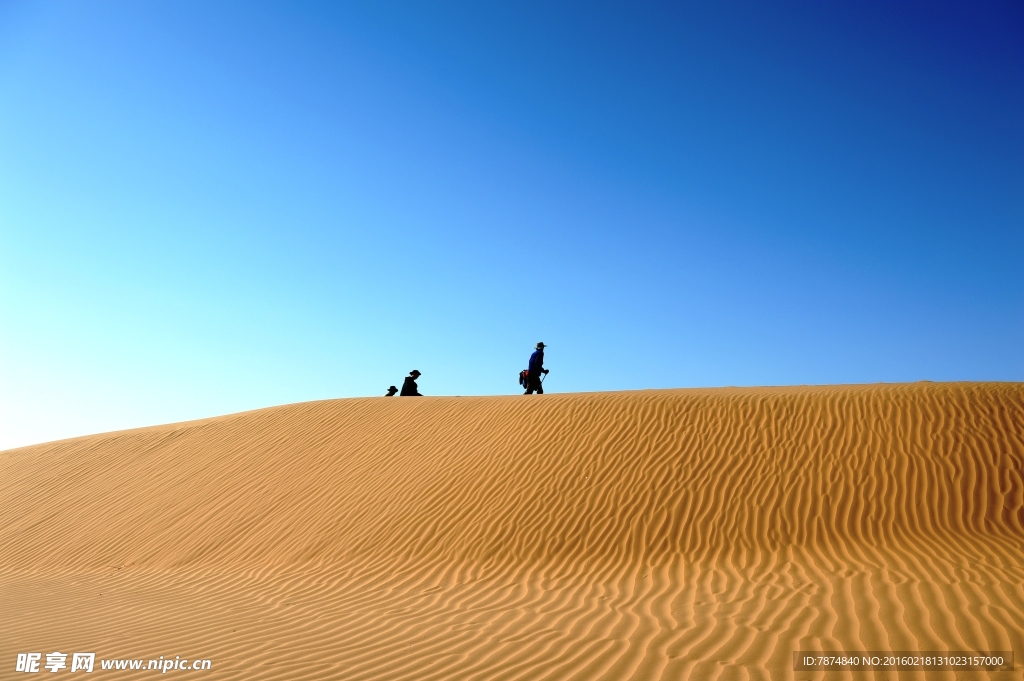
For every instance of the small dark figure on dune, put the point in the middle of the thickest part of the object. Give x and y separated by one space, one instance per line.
409 388
391 391
536 369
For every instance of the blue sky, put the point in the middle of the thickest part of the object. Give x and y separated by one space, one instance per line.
212 207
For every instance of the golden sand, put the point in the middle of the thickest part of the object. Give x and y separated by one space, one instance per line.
677 534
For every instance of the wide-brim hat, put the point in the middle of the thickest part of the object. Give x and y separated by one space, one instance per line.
415 372
541 345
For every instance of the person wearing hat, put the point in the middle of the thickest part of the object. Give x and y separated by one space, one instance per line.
391 391
409 388
536 368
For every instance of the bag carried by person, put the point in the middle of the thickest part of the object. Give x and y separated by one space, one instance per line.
524 377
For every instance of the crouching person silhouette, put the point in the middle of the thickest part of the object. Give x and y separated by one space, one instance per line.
409 388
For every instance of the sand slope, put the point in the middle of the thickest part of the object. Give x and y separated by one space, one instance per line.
643 535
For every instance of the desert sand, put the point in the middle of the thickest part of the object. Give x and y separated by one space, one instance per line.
670 534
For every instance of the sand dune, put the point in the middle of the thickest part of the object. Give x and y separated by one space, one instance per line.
681 534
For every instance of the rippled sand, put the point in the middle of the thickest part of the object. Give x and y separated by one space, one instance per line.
679 534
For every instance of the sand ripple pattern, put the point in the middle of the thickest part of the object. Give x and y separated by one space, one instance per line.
672 534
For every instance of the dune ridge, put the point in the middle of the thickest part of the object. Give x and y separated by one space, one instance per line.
653 534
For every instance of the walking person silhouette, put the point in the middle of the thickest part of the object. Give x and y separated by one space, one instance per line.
536 368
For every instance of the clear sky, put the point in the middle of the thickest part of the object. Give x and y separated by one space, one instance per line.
207 207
